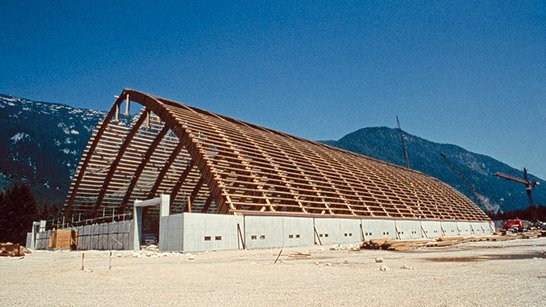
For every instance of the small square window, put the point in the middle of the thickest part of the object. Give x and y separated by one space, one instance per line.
218 238
350 234
326 235
207 238
320 235
262 237
290 236
345 234
254 237
297 235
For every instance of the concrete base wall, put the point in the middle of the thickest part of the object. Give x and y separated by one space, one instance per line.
375 229
107 236
211 232
191 232
171 230
298 231
408 230
337 231
431 229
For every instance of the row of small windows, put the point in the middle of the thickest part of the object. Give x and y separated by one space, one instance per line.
216 238
435 231
371 233
297 236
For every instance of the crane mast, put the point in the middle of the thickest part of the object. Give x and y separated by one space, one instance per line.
403 140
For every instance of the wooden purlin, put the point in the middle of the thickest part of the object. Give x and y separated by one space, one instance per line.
141 167
165 169
251 169
114 165
241 161
87 156
267 157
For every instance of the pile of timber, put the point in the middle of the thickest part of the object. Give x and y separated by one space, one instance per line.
11 250
404 245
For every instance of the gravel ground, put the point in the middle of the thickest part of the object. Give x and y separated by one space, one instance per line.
479 274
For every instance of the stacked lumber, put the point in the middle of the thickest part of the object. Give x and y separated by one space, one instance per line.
404 245
398 245
11 250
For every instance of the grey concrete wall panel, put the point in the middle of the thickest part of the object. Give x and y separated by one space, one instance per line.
338 230
131 226
431 229
42 239
378 228
298 231
171 233
491 226
263 231
464 229
114 227
450 229
103 228
29 238
210 231
408 230
481 228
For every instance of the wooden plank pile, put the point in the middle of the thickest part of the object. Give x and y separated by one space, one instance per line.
11 250
405 245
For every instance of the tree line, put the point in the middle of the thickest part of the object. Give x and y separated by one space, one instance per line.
18 209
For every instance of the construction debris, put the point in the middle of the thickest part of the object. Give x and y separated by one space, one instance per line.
404 245
300 255
11 250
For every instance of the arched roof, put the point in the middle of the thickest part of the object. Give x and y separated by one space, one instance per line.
212 163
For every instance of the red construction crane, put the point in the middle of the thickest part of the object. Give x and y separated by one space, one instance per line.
529 185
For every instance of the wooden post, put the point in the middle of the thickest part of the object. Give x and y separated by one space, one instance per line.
189 204
127 106
116 116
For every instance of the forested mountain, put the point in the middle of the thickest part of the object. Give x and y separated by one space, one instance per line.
479 170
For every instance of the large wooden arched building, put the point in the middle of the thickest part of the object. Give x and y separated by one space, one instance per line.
214 164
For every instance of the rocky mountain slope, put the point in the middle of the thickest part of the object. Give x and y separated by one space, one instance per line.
41 144
479 170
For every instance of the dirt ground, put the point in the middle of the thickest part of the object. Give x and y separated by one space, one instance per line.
475 274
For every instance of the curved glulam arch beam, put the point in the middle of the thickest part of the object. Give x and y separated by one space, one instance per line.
151 104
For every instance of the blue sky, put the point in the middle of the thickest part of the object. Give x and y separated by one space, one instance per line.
468 73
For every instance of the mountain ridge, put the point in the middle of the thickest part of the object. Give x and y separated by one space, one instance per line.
384 143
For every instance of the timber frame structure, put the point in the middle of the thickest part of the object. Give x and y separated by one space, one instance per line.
214 164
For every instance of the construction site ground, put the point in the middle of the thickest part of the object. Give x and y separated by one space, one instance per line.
500 273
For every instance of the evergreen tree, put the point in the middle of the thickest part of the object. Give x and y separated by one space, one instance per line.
18 208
